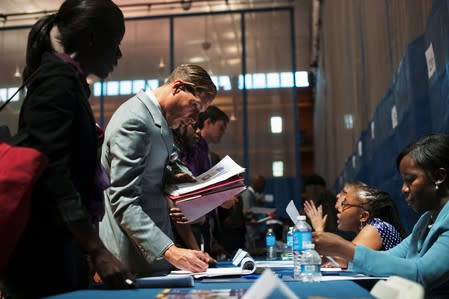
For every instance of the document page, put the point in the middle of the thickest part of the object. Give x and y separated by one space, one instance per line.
222 171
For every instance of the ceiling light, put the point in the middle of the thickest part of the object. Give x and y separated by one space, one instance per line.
161 63
17 73
186 4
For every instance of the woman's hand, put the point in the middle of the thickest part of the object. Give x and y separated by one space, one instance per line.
333 245
113 273
315 215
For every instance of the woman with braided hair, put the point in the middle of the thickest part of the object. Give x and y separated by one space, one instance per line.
368 212
372 214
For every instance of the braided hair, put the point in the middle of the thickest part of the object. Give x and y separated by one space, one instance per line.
380 205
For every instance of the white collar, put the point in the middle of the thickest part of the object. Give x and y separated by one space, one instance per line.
152 97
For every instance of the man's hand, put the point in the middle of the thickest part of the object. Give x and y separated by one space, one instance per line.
187 259
180 177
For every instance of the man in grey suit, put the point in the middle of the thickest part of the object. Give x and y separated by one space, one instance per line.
137 146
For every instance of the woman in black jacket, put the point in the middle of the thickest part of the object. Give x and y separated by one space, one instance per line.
81 39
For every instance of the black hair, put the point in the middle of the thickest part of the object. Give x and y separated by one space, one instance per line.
38 43
380 205
214 114
431 153
81 23
314 179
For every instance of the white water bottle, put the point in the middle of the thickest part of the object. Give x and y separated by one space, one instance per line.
302 236
310 264
270 242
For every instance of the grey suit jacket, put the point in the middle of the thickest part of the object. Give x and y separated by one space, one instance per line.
136 226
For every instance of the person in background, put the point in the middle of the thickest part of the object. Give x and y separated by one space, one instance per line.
185 137
422 256
137 147
253 196
82 38
315 193
318 219
211 126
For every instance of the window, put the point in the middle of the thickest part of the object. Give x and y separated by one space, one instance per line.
126 87
286 79
225 82
259 81
273 80
11 91
138 85
276 124
152 83
278 168
302 79
3 94
112 88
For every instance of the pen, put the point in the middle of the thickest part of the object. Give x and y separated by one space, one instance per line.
202 243
334 262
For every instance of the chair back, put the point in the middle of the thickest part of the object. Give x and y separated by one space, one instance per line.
397 287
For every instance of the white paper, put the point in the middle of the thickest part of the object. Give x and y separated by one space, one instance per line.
430 59
394 117
265 285
221 171
269 197
214 272
292 211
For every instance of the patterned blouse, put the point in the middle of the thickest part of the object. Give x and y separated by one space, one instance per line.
389 234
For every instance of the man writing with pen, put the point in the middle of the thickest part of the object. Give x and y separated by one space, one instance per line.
137 147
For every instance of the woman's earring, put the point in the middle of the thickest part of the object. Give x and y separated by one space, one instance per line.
436 187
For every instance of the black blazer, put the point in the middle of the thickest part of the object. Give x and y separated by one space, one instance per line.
58 119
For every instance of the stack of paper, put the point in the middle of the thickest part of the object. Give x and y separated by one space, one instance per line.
210 190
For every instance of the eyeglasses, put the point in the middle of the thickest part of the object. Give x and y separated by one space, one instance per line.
345 206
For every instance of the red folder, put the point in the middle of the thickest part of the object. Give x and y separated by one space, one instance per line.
198 205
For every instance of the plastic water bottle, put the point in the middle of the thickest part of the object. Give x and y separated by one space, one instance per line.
290 243
310 265
302 236
270 242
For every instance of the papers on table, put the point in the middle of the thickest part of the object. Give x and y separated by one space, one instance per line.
214 272
211 189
